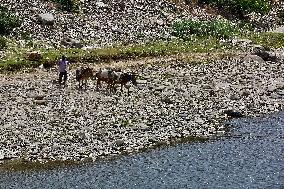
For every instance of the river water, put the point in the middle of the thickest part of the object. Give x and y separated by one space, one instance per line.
251 157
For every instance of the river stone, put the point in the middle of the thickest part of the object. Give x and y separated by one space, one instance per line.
235 97
115 29
143 126
279 30
265 53
258 48
153 140
280 92
39 97
141 82
272 56
119 142
275 96
46 19
233 113
101 4
242 42
41 102
74 43
253 58
167 100
272 88
160 88
245 93
2 155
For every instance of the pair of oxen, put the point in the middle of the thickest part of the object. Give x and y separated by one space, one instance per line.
110 76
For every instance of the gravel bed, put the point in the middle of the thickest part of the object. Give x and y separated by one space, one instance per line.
173 100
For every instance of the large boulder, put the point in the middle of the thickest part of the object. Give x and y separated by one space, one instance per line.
253 58
46 19
68 42
40 102
48 64
265 53
101 4
278 30
241 42
33 56
233 113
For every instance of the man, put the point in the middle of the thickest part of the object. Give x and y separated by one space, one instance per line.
62 68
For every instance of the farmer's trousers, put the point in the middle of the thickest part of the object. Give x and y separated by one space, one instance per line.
64 75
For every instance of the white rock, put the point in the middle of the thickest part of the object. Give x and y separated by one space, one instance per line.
46 18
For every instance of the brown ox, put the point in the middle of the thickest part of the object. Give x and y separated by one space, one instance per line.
106 75
82 76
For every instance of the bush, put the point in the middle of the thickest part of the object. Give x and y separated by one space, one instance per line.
3 43
217 28
8 21
281 15
241 6
67 5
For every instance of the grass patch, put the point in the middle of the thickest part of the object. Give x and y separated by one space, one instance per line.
15 60
268 39
154 49
221 29
17 64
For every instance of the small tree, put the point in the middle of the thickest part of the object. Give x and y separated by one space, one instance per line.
8 21
241 7
3 43
67 5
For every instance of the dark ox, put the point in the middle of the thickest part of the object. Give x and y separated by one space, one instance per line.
82 76
112 78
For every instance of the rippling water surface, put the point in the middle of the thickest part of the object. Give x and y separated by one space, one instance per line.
253 157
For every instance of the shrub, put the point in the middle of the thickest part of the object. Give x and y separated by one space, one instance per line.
217 28
67 5
241 6
8 21
281 15
3 43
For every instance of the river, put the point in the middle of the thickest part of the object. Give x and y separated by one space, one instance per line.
252 156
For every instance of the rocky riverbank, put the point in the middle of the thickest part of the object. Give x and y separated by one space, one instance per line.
104 23
174 99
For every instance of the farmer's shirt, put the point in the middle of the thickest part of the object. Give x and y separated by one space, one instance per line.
62 65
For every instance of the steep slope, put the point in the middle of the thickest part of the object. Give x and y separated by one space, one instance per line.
100 23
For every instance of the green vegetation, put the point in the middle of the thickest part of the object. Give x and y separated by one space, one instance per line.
8 21
3 43
271 40
281 15
14 57
217 28
15 60
67 5
241 6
